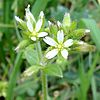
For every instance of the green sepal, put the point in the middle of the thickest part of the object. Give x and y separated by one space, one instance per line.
25 34
73 26
53 29
22 25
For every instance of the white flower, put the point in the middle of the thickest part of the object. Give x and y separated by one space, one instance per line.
35 29
33 26
59 46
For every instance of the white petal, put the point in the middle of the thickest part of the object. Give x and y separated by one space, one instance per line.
38 25
42 34
87 31
41 14
64 53
33 38
68 43
51 53
17 48
59 24
60 36
81 42
30 26
50 23
50 41
17 19
29 14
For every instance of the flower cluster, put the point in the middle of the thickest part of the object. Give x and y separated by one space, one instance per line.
33 28
64 35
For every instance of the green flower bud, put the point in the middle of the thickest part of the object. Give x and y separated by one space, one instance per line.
66 20
53 28
22 45
85 48
31 70
21 23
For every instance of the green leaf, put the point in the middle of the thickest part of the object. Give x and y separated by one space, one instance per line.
31 56
95 31
25 86
54 70
31 70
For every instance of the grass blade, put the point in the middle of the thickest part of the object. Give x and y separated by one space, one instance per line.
39 5
13 77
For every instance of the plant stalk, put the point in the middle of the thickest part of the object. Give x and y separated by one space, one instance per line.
43 75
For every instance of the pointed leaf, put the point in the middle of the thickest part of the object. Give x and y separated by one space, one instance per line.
54 70
31 56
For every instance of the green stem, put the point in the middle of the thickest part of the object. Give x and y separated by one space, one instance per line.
43 75
44 85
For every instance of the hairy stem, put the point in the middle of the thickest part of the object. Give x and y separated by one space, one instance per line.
43 75
44 85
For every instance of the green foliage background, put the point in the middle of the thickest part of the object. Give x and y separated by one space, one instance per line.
81 72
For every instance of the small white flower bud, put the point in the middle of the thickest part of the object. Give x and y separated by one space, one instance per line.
87 31
50 23
59 24
41 14
16 49
18 19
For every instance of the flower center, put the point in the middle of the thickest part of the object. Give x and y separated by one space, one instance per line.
60 46
34 34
